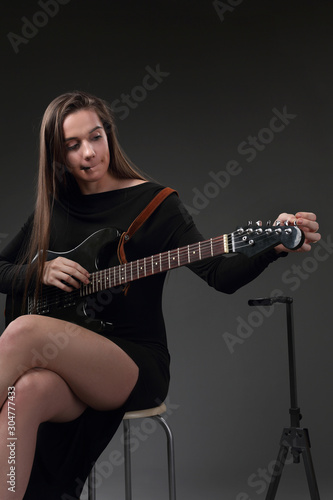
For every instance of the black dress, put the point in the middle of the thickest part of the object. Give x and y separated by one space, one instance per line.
65 452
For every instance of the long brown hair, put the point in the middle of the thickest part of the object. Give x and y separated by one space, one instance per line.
53 174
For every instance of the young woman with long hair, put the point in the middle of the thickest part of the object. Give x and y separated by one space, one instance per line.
70 382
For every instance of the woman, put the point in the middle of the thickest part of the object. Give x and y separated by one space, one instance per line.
70 386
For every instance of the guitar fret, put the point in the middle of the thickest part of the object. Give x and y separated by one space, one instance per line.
192 252
199 251
139 269
160 262
171 259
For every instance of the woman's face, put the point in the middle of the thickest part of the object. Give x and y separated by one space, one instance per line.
87 151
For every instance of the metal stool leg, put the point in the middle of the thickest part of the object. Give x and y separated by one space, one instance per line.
171 456
127 457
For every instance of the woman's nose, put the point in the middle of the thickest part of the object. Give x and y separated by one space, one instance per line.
88 150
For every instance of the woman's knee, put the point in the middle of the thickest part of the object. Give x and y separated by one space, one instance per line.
18 330
33 386
28 336
43 395
34 392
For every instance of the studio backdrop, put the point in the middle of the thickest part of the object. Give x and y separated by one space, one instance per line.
230 103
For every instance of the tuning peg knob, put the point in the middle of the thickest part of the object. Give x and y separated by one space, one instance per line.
259 223
269 223
249 223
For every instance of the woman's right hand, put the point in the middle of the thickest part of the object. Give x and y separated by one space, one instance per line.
64 274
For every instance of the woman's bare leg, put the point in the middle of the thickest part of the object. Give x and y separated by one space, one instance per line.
98 371
38 396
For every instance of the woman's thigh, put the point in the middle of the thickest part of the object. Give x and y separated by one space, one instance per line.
99 372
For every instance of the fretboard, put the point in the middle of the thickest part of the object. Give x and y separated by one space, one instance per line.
159 263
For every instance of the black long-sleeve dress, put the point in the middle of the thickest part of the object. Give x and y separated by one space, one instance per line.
65 452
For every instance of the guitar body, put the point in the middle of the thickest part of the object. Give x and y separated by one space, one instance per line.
94 253
97 252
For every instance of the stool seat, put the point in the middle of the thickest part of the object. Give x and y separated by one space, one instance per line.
149 412
154 413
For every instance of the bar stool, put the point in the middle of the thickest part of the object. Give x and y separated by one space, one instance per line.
154 413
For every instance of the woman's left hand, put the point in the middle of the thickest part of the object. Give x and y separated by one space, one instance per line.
307 222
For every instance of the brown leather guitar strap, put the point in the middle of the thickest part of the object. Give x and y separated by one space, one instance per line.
140 219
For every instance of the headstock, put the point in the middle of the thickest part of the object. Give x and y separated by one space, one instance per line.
256 239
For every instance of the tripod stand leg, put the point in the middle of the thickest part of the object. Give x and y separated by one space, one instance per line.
309 468
310 474
277 472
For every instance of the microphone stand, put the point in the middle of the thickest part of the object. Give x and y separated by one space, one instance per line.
294 438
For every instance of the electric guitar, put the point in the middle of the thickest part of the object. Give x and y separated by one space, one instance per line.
93 252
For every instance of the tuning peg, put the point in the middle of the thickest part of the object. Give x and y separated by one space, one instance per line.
269 223
259 223
249 222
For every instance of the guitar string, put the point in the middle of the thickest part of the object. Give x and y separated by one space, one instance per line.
101 278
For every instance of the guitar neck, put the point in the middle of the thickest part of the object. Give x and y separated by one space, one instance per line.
159 263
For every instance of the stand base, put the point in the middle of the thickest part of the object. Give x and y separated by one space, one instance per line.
297 441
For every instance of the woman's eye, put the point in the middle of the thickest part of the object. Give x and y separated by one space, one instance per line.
73 147
96 137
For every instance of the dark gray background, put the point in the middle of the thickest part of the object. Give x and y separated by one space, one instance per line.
224 73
